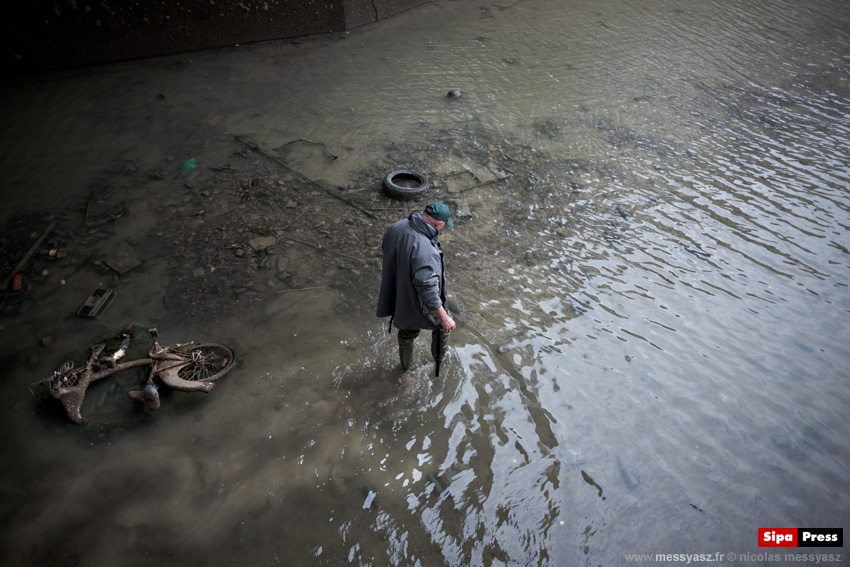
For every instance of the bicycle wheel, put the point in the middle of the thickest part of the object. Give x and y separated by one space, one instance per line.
209 361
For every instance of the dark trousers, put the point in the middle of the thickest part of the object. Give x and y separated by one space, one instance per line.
407 336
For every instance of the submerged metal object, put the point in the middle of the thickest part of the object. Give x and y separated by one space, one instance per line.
96 304
149 395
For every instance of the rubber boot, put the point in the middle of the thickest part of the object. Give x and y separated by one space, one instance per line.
405 352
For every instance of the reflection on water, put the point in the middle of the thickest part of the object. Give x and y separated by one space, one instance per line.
649 272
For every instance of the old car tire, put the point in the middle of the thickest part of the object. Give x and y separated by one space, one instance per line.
396 191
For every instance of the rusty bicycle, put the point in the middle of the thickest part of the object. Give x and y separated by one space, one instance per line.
188 367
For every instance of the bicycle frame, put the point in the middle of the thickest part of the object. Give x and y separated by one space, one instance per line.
69 385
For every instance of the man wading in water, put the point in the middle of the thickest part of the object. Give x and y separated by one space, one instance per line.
413 281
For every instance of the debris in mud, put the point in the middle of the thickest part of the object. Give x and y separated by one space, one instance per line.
239 236
270 228
189 165
266 231
123 263
15 275
96 304
102 208
263 243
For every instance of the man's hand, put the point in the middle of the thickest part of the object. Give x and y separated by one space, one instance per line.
446 322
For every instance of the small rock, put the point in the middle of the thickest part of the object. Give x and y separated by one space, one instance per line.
239 252
262 242
47 341
198 272
282 264
454 93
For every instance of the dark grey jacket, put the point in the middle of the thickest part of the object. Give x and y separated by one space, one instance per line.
413 283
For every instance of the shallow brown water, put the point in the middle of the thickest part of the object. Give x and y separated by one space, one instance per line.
649 270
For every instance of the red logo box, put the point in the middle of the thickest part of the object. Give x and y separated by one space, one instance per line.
777 537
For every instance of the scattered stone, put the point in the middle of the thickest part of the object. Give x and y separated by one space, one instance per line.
262 243
198 272
463 211
282 264
123 263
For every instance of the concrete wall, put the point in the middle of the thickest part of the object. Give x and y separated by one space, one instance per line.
56 34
